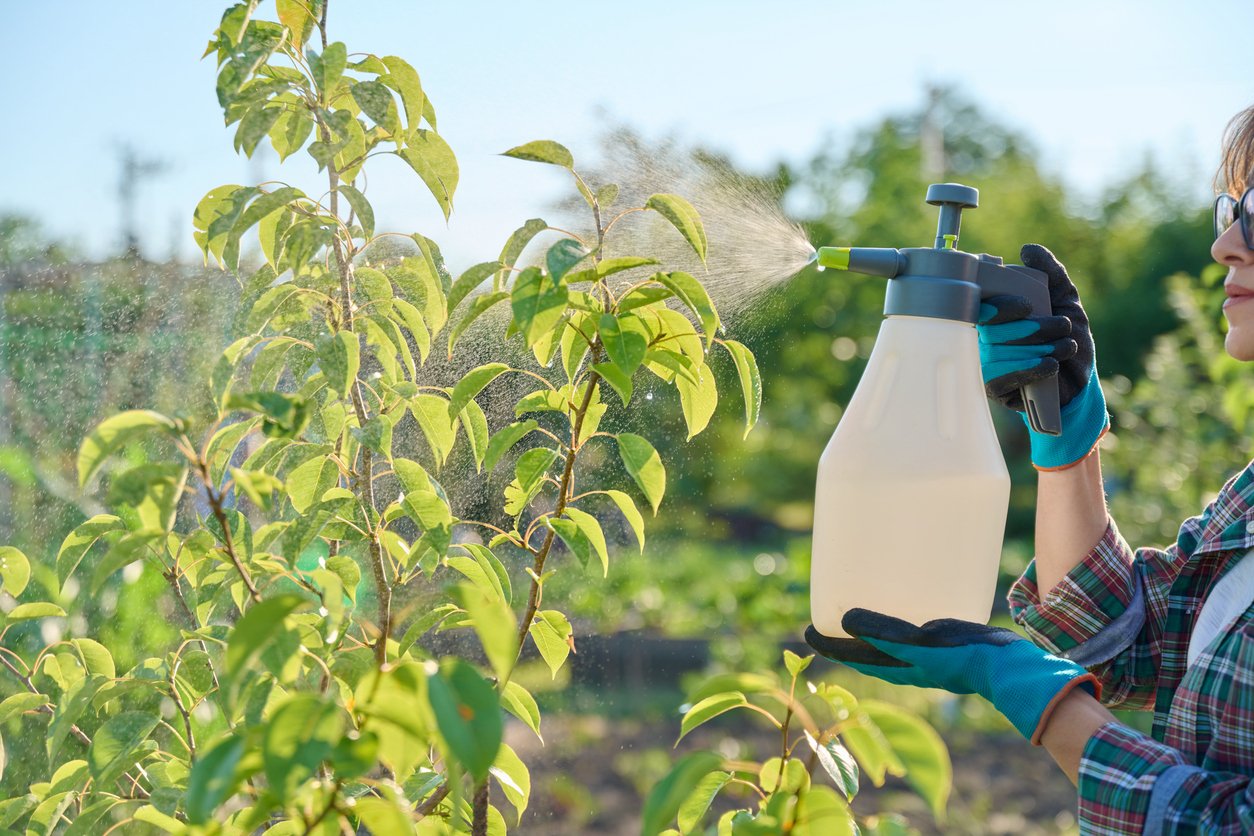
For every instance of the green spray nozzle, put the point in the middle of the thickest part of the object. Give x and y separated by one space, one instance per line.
871 261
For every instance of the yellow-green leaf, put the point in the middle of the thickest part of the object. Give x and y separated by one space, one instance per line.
683 217
644 465
542 151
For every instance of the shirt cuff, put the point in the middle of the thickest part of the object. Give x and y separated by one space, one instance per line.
1123 776
1100 597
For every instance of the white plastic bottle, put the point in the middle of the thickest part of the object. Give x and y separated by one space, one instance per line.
912 492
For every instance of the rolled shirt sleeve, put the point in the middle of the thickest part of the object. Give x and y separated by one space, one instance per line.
1130 783
1096 616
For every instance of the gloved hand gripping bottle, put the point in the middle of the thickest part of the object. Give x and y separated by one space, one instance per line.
912 489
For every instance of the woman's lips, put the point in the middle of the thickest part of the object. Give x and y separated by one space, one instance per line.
1237 294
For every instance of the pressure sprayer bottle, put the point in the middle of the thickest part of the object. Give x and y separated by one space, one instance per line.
912 492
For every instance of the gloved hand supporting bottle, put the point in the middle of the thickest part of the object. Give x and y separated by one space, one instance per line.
1022 681
1017 349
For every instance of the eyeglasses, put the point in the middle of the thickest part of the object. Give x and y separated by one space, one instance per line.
1229 210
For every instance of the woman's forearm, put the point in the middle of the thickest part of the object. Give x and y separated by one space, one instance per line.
1076 719
1070 518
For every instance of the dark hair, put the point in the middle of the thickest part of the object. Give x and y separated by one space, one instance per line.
1236 162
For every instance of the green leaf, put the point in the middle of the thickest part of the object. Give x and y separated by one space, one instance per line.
542 400
626 340
114 433
257 485
404 80
693 294
538 302
478 306
838 763
542 151
113 746
627 506
669 795
224 370
562 256
518 242
709 708
475 423
514 778
215 217
824 813
591 529
433 160
518 701
297 16
255 125
504 439
574 538
361 208
920 750
153 490
307 482
328 68
494 624
750 381
339 356
606 195
422 279
529 473
14 570
298 737
22 702
432 413
551 632
424 623
375 100
644 465
412 319
382 815
697 401
619 380
469 280
693 810
491 565
796 664
428 509
130 548
36 609
213 779
869 745
642 297
683 217
289 132
471 384
255 632
468 715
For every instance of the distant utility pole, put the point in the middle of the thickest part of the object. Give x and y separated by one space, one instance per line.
932 137
134 170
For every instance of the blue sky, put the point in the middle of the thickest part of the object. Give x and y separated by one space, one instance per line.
1096 85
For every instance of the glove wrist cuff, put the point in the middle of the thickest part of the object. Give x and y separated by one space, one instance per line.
1086 679
1084 422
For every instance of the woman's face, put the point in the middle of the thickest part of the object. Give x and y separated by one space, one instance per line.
1229 250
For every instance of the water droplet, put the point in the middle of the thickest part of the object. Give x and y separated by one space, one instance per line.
821 268
648 396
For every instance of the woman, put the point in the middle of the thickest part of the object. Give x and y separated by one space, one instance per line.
1169 630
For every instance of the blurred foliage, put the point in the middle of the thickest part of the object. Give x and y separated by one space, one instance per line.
1182 429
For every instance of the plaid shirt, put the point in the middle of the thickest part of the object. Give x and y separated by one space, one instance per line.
1128 618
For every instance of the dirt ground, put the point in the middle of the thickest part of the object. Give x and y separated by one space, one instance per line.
591 775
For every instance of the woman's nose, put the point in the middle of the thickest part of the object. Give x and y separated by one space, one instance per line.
1229 248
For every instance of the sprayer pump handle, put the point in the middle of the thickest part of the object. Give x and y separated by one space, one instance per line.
953 194
1041 401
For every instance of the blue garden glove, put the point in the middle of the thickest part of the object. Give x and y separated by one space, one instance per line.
1022 681
1017 349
